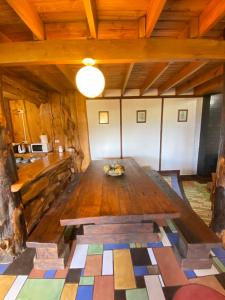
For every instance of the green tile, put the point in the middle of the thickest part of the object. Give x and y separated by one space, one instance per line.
86 280
44 289
218 264
137 294
95 249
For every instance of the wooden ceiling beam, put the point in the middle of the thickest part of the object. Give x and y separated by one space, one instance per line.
129 71
212 86
184 73
200 79
111 51
154 74
4 38
17 88
91 14
50 80
68 75
154 10
29 15
212 14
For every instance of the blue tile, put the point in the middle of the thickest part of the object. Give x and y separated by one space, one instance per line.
190 274
141 270
116 246
176 186
173 237
3 267
82 272
50 274
85 292
219 252
155 245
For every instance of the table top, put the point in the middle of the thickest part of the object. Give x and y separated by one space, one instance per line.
99 198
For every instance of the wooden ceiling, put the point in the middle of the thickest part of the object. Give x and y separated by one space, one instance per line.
149 44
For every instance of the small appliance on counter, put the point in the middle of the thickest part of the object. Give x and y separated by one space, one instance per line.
38 147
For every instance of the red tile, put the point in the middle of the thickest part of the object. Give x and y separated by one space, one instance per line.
169 268
104 288
61 273
37 273
93 265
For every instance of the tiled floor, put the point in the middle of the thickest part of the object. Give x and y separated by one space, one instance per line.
114 271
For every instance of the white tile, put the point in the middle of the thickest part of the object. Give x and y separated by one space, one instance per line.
164 237
107 264
16 287
212 253
152 256
161 281
206 272
79 257
171 225
154 287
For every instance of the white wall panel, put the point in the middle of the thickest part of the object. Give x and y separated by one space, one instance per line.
180 140
142 140
104 138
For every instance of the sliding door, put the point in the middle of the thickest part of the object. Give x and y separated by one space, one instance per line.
104 128
141 130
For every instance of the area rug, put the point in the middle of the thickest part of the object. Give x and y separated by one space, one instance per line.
199 198
197 291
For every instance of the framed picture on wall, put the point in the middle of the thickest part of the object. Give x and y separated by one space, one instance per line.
182 115
141 116
103 117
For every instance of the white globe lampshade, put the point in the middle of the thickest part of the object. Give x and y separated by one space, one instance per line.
90 81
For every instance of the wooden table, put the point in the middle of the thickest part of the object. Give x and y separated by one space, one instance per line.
117 209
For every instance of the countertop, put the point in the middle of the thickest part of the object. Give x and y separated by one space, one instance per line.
30 172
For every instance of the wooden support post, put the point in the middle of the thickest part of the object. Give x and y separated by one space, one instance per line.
12 224
218 221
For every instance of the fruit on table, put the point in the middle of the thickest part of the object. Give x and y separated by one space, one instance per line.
114 169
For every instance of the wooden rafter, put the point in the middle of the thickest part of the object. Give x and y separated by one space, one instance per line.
212 14
128 73
111 51
52 82
154 74
184 73
154 10
27 12
91 14
68 74
200 79
4 38
212 86
17 88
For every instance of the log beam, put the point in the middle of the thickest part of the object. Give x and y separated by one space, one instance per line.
68 75
212 86
129 71
91 14
213 13
200 79
29 15
154 10
111 51
154 74
184 73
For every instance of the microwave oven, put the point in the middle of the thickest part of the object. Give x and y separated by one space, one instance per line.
45 148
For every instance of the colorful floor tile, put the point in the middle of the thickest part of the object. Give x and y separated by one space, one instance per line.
5 284
44 289
95 249
69 291
137 294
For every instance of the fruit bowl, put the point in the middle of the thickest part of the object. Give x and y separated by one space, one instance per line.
114 170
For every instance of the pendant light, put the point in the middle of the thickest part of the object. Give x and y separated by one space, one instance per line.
90 81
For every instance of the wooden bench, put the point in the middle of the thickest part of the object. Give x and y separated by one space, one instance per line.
49 238
195 238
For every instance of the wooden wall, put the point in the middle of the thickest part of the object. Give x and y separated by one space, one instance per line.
63 119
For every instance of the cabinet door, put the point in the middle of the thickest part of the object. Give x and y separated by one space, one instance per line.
104 138
142 140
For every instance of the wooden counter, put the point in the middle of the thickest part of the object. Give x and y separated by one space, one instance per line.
30 172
